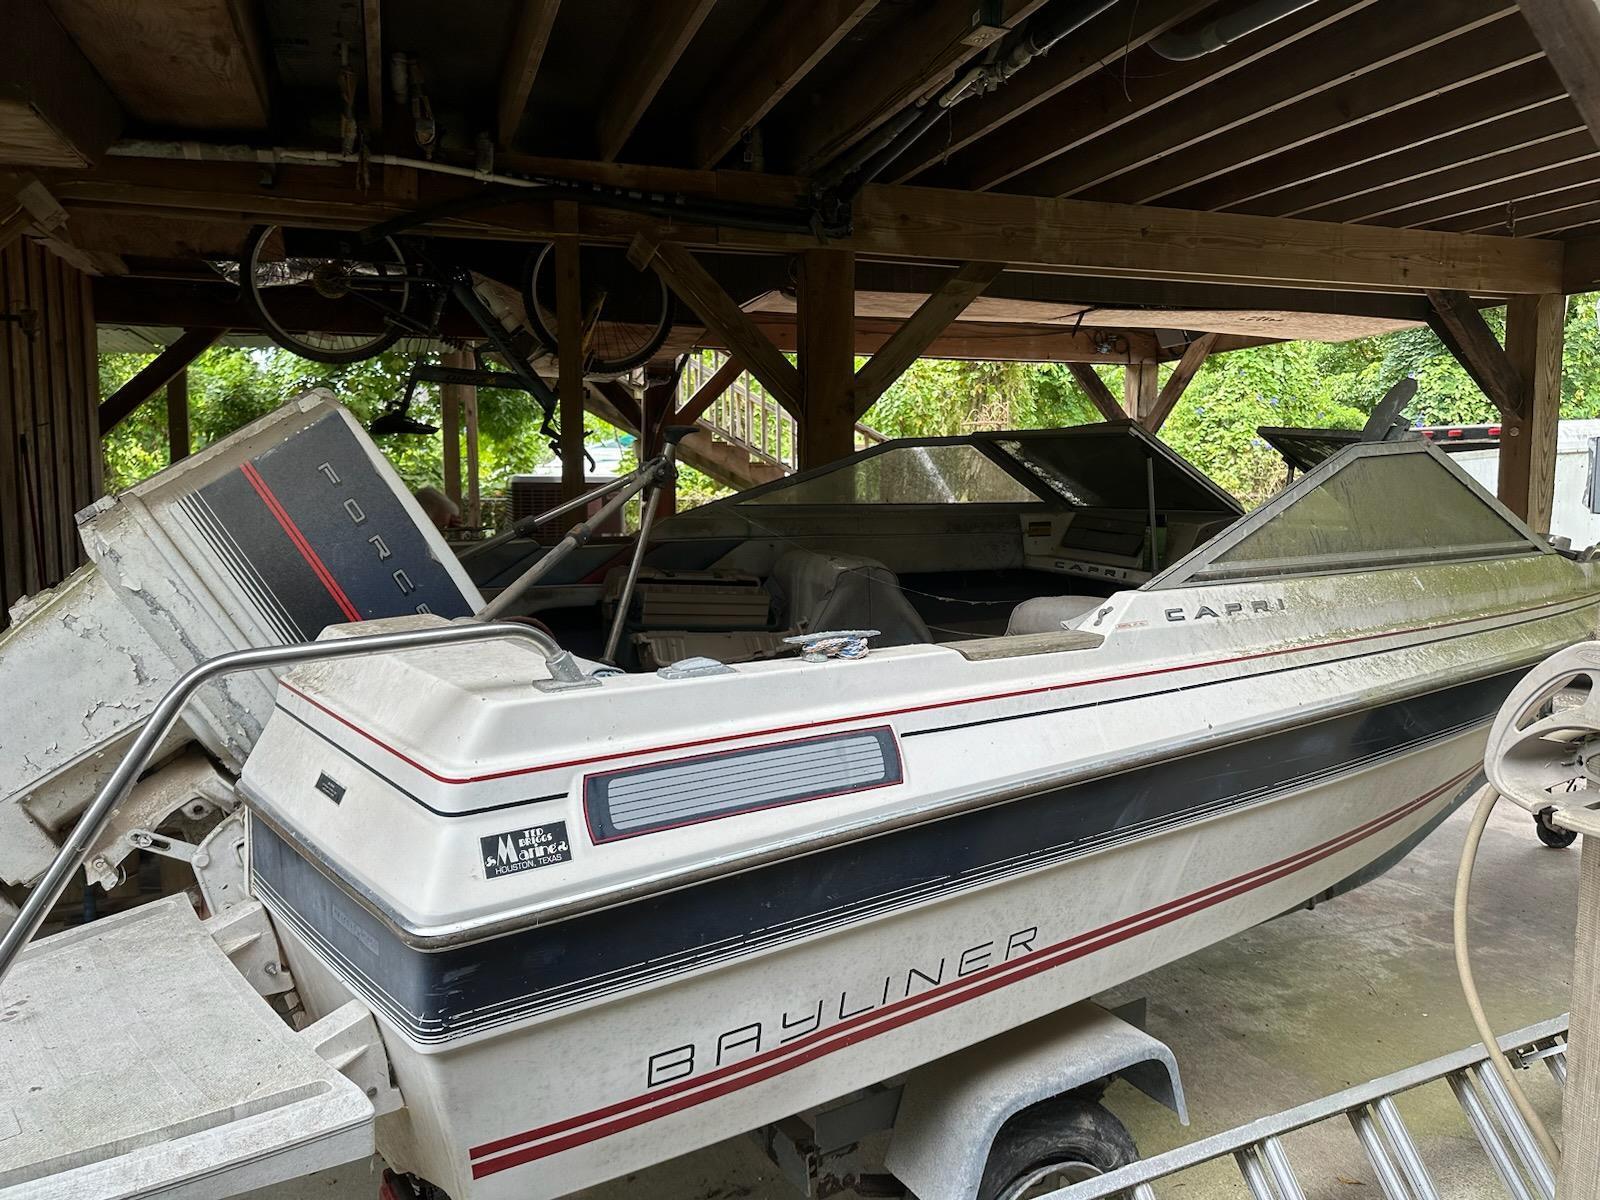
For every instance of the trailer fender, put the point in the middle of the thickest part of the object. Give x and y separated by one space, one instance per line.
951 1109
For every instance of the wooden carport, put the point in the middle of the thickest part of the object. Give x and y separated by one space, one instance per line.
1104 182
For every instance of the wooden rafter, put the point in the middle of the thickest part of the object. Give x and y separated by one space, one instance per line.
1461 327
947 302
530 37
1569 31
695 286
913 58
1094 49
1366 42
662 32
784 52
1520 105
162 370
56 111
894 222
1480 53
709 392
1505 206
1194 357
1100 106
1420 184
1099 394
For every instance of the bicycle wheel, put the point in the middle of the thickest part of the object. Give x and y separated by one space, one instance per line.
354 296
627 312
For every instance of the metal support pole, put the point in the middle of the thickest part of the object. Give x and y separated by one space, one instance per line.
1580 1102
69 859
647 512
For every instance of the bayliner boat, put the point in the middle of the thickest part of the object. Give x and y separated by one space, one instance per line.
1104 720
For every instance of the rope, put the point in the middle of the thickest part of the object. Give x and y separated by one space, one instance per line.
839 643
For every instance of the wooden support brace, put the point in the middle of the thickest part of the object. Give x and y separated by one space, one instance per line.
709 392
694 285
372 45
1194 357
947 302
622 403
1097 391
1461 327
178 417
528 42
166 366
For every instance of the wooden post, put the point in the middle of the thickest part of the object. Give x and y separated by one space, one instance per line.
473 517
451 427
178 417
1140 388
826 342
1528 439
569 341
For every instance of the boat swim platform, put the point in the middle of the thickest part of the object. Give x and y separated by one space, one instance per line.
143 1060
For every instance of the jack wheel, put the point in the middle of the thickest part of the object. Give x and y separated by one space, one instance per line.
1550 834
1056 1142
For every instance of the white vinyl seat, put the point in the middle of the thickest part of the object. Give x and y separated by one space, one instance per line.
1050 614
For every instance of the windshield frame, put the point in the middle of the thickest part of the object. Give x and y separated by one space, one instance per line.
1200 566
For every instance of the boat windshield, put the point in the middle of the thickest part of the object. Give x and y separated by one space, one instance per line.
949 473
1370 505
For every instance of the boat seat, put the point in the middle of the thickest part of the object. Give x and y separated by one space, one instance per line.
1050 614
842 591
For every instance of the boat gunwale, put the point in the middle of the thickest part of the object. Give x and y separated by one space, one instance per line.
449 936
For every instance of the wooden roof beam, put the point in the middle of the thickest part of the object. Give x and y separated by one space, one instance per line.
661 33
1088 52
1070 237
908 343
1102 104
1517 106
159 372
1461 327
1569 31
1099 394
524 53
783 54
1482 53
1504 207
55 111
913 58
694 285
1194 357
1371 39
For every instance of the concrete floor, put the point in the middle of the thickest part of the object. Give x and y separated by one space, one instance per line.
1296 1009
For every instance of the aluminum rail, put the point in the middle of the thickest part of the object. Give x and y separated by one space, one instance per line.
645 476
70 858
1529 1044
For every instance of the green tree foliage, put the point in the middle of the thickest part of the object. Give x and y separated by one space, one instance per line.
1292 383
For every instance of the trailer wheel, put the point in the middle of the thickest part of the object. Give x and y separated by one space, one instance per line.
1063 1140
1550 834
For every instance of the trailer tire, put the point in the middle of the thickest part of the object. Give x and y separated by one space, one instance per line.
1064 1131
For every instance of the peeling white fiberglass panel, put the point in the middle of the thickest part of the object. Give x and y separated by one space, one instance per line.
1375 511
948 474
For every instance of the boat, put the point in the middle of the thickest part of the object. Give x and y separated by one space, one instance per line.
1062 713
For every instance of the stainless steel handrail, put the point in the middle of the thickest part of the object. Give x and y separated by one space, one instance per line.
646 475
527 524
70 858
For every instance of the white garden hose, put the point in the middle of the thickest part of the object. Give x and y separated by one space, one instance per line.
1486 798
